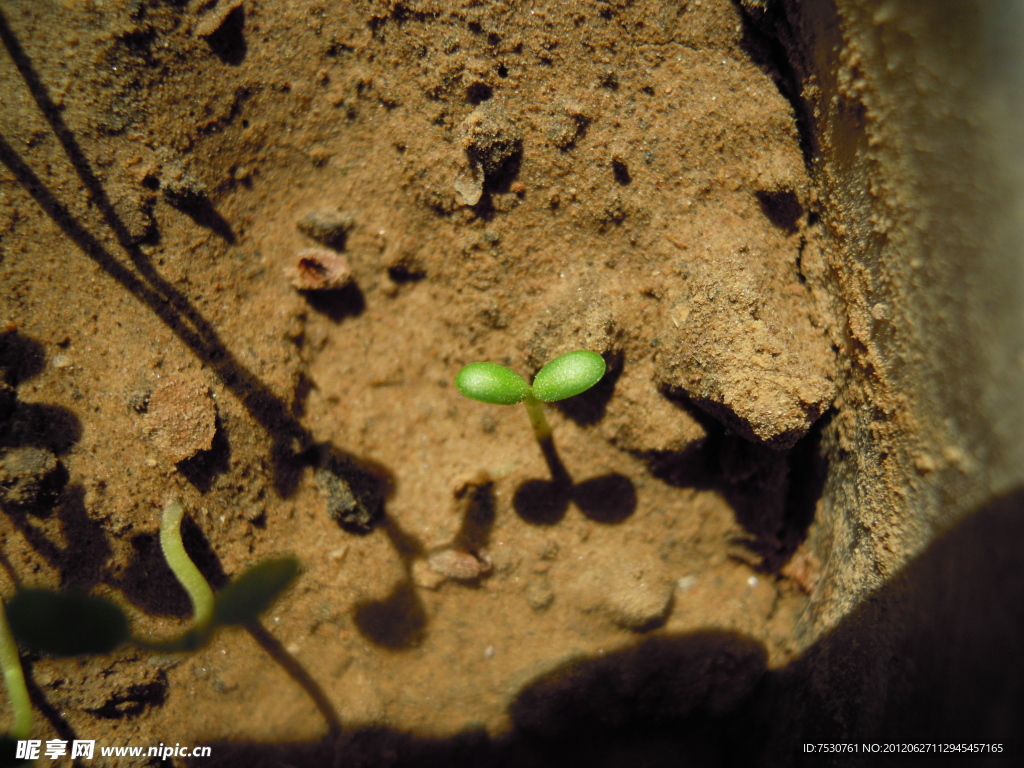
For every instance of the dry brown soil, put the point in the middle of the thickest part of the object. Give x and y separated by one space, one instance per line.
505 181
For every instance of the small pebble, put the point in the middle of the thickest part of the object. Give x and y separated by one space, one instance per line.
454 564
318 269
213 20
631 599
686 582
538 593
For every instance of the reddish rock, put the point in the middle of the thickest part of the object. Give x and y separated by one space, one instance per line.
318 269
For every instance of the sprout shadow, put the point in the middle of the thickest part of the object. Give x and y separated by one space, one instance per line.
276 650
933 652
609 499
22 424
398 622
81 560
542 502
21 358
42 426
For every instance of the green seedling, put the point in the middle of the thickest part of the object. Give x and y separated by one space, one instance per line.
567 375
14 679
76 624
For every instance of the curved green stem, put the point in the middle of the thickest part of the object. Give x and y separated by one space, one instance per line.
14 678
539 422
184 569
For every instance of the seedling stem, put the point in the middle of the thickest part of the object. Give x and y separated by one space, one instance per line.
14 678
181 564
539 422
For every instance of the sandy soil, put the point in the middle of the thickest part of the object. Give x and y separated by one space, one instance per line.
491 181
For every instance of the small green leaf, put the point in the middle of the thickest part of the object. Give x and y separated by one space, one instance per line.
568 375
245 598
66 623
492 383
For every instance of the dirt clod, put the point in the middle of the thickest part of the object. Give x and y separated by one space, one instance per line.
636 598
327 227
180 186
181 418
29 478
490 138
353 497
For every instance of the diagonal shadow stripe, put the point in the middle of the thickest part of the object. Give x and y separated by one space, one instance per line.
177 314
146 284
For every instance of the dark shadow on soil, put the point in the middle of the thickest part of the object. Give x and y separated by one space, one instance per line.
134 700
783 209
398 622
931 657
478 520
298 673
773 493
34 491
542 502
44 426
21 358
201 210
337 304
38 425
608 499
227 42
206 466
80 561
